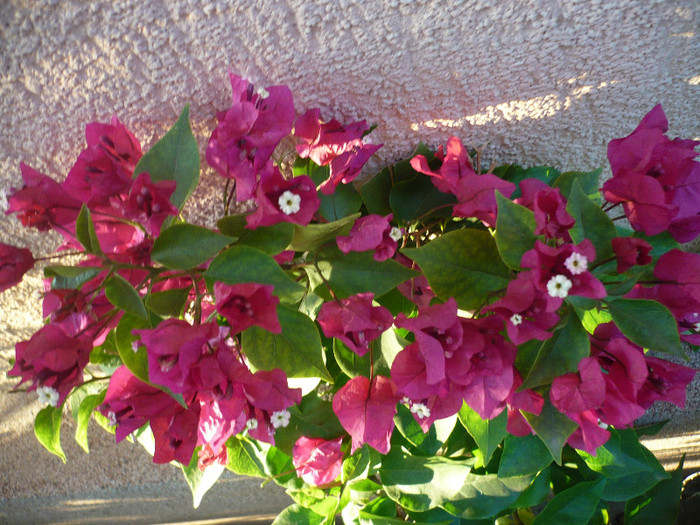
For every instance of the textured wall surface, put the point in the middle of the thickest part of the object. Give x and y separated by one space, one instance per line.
537 81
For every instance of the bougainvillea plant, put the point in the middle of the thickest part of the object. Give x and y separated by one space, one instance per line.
436 343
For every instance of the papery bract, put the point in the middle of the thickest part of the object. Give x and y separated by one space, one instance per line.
248 132
372 232
14 263
175 436
149 202
630 251
317 461
334 145
551 217
355 321
366 411
246 305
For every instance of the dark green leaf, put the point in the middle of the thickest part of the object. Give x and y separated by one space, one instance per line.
357 465
488 434
359 272
184 246
297 350
552 427
70 277
574 506
269 239
559 354
47 428
647 323
515 231
588 180
87 407
375 193
198 481
85 231
485 496
314 235
463 264
539 490
660 244
174 157
168 303
418 197
244 264
344 201
591 223
523 455
121 294
630 467
658 505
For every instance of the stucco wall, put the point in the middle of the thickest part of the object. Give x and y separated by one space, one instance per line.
538 81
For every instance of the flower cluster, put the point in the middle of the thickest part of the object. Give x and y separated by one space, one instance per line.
502 303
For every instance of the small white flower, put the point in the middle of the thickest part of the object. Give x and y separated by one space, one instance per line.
280 418
251 424
516 319
289 202
449 354
264 93
135 346
420 410
4 205
406 401
47 395
576 263
602 425
559 286
396 233
112 417
696 326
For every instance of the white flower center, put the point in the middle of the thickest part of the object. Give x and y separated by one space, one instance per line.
516 319
406 401
135 346
47 395
576 263
280 418
559 286
396 234
289 202
420 410
696 326
602 425
251 424
112 417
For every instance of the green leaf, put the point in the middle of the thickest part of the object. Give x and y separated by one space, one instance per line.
630 467
174 157
269 239
590 319
517 174
559 354
357 465
344 201
539 490
589 181
297 350
184 246
523 455
136 362
87 407
658 505
515 231
591 223
375 193
47 428
198 481
244 264
574 506
271 461
359 272
85 231
422 483
485 496
240 462
647 323
168 303
552 427
418 197
314 418
298 515
409 428
121 294
314 235
488 434
70 277
463 264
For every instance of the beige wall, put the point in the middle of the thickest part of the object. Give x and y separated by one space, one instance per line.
540 81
